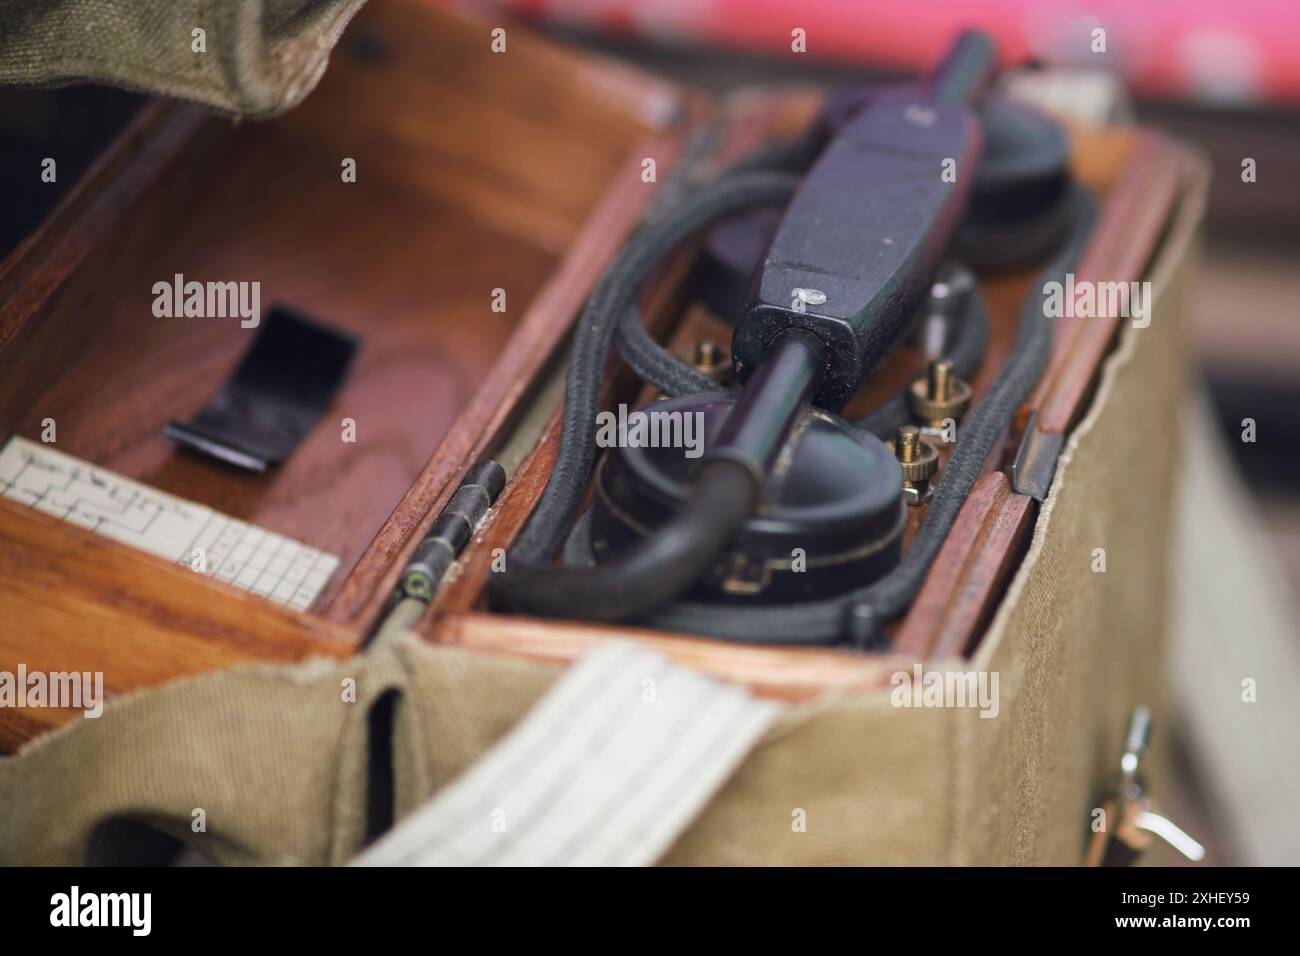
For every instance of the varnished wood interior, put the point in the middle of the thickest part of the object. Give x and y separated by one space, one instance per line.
135 618
475 172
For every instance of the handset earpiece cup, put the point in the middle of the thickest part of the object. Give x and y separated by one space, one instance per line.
1019 203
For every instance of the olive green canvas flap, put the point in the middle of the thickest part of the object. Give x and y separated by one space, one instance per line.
246 57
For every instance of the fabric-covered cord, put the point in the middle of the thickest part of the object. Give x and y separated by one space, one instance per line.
653 571
611 298
611 313
655 364
650 360
859 615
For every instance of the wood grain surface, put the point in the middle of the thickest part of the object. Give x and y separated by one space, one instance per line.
969 573
73 600
475 172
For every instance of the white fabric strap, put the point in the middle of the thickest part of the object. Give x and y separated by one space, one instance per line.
606 770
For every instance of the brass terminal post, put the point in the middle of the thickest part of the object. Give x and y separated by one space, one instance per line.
919 460
938 395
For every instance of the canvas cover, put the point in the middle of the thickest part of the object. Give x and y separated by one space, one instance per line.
250 57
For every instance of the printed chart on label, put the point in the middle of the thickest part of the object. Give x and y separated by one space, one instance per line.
242 554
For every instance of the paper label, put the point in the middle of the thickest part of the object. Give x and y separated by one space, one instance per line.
244 555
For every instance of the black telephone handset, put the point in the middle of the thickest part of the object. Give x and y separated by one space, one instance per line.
859 244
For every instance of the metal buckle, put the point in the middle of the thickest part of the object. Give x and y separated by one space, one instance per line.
1136 820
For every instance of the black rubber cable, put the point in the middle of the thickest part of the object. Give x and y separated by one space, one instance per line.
612 296
670 559
530 583
858 616
655 570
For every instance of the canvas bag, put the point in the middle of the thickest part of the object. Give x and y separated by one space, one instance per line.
260 57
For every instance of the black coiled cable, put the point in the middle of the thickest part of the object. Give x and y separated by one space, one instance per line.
668 561
859 616
611 315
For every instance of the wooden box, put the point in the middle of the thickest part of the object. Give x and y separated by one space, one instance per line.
476 172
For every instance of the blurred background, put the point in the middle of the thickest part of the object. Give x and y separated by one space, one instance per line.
1224 76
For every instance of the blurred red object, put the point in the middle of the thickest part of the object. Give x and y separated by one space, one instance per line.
1226 52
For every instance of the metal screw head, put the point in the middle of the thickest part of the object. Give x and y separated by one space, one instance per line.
708 355
938 395
919 461
810 296
950 288
938 377
906 442
417 584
